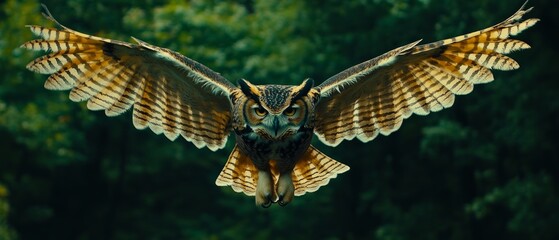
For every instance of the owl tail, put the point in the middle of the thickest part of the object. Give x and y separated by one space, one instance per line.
315 170
311 172
239 173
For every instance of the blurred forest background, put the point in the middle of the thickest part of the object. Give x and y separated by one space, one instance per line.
488 168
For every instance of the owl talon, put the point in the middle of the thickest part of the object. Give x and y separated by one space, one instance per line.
286 189
265 194
266 204
281 202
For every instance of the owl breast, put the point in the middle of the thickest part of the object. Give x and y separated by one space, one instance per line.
284 152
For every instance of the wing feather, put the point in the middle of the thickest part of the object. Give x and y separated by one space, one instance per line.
169 93
377 95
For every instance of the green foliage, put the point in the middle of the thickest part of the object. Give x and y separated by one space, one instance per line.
527 201
485 169
6 233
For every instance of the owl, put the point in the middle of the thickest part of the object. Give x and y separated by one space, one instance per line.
273 125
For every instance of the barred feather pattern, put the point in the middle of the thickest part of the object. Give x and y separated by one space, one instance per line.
311 172
315 170
169 93
377 95
239 172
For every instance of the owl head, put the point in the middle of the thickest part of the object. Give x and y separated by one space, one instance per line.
277 111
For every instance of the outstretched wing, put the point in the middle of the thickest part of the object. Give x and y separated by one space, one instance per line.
377 95
170 93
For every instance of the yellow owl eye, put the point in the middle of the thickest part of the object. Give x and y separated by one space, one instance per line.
290 111
260 111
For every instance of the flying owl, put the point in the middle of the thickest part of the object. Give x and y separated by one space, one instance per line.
273 158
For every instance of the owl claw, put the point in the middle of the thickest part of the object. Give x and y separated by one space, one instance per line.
281 202
266 204
286 189
265 194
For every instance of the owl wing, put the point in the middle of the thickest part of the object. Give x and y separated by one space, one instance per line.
170 93
377 95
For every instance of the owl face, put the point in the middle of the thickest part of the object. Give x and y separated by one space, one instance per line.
276 111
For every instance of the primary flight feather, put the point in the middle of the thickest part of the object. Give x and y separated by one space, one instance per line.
273 159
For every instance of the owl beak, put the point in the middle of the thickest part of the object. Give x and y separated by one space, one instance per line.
276 126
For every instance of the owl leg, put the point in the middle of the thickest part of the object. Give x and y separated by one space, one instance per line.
286 189
265 194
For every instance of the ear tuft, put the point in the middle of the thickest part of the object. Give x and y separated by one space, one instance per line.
302 89
248 88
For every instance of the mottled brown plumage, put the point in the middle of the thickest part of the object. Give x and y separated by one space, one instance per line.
273 124
377 95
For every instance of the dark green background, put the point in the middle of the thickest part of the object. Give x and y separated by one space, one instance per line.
485 169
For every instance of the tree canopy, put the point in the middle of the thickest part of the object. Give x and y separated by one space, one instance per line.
487 168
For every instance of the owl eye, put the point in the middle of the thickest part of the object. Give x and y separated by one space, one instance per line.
290 111
260 111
